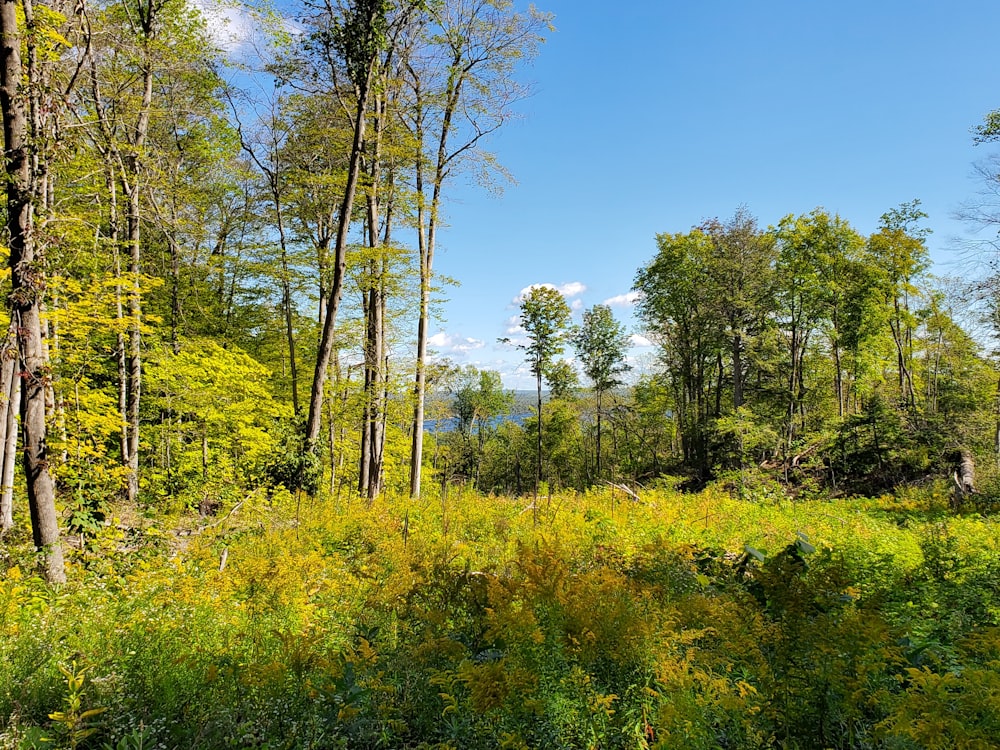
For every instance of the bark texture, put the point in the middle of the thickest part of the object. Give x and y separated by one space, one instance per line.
27 288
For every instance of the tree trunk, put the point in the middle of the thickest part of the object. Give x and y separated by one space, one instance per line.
10 387
427 216
967 472
425 250
175 293
737 371
598 457
370 479
838 379
121 348
133 190
286 304
133 356
364 457
333 427
27 287
339 265
538 443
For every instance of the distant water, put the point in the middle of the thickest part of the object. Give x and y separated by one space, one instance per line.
451 423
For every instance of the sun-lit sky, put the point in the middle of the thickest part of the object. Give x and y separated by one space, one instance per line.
651 115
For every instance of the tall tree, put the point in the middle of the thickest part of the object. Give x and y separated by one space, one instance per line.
900 249
601 343
822 289
544 318
742 272
25 129
462 88
122 120
267 153
347 44
385 154
680 311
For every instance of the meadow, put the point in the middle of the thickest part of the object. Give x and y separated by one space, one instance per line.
467 621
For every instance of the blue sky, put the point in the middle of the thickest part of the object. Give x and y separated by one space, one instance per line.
651 116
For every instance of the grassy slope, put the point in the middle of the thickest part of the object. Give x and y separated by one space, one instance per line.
609 623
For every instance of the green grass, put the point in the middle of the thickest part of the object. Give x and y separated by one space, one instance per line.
606 623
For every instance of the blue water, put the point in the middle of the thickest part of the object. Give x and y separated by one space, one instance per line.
451 423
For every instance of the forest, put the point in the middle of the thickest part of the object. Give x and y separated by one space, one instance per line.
244 504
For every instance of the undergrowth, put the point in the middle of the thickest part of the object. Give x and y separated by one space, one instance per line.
674 621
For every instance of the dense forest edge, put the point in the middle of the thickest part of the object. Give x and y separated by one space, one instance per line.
244 504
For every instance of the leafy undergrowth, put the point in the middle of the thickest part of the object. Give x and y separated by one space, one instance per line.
678 621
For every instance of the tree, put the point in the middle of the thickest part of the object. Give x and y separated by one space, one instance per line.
25 130
137 54
267 154
479 400
544 318
123 132
347 43
708 298
601 343
821 288
741 275
679 308
900 250
462 88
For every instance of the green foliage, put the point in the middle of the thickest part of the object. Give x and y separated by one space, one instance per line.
72 724
562 380
748 614
989 129
601 343
360 35
480 402
678 620
544 318
292 466
210 407
842 354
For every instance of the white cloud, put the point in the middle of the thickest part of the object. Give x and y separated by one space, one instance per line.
513 326
469 344
236 29
638 340
450 344
624 300
570 289
576 305
230 27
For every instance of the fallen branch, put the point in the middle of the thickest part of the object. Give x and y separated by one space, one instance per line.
632 495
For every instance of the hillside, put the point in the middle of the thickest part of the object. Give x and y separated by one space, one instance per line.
678 621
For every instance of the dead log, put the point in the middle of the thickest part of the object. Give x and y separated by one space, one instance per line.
967 473
964 479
